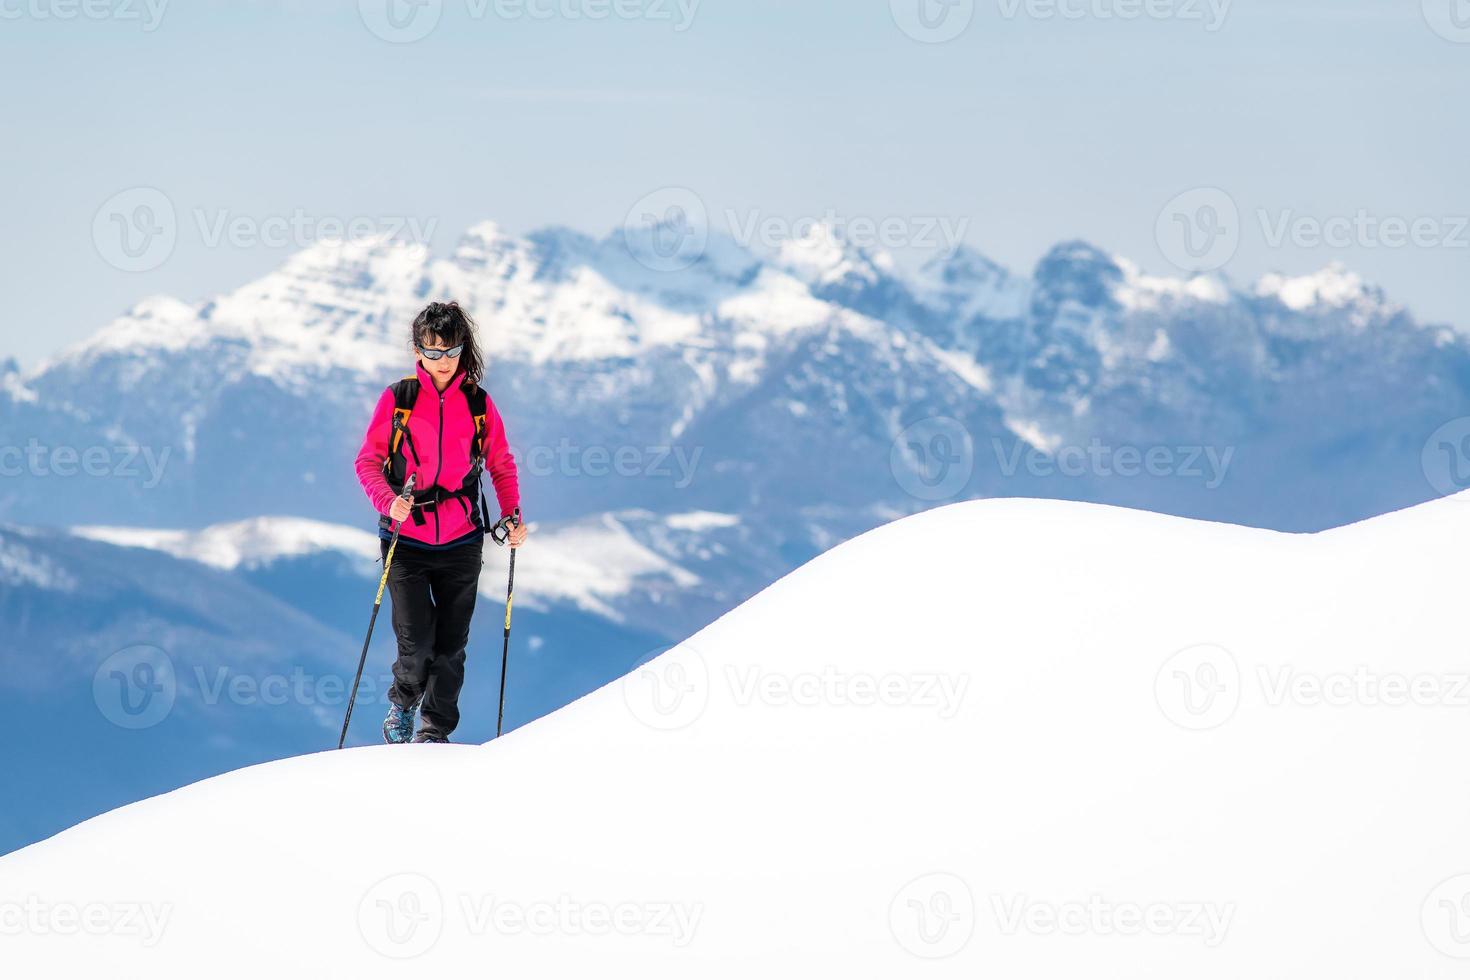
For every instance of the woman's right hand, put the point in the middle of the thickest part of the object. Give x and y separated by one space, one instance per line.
402 507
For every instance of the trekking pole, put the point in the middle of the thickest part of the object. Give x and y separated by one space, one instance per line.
500 534
377 604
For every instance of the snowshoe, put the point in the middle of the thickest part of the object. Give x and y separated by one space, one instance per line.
427 735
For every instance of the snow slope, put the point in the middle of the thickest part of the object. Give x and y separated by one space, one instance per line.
999 739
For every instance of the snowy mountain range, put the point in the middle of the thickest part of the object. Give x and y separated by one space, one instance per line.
777 384
685 437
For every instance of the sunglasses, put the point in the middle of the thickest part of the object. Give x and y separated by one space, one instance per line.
434 355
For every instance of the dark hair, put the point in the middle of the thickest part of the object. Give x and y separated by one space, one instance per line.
453 327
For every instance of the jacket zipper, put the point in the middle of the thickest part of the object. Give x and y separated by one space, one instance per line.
408 440
437 472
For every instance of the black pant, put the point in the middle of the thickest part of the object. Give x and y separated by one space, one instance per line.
433 601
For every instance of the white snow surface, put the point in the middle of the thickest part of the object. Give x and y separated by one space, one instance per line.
22 566
1332 287
1009 738
701 520
1140 291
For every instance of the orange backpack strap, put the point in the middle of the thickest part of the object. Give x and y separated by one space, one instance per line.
400 427
405 393
478 401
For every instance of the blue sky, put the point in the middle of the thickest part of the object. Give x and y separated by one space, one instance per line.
1042 120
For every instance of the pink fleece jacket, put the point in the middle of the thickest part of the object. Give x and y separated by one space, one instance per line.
441 432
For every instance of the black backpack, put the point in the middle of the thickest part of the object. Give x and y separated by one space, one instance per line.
395 467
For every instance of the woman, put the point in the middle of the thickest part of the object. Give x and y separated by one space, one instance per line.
439 426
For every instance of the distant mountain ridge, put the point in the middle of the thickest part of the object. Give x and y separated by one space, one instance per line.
785 382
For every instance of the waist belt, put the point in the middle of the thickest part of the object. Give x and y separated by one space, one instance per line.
428 501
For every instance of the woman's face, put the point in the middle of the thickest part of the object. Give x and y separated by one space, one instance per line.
446 367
